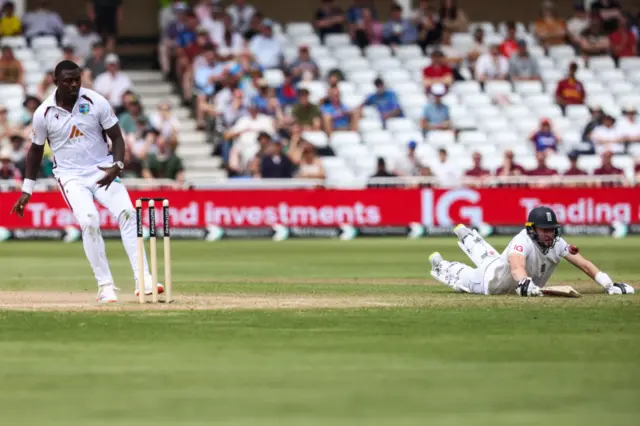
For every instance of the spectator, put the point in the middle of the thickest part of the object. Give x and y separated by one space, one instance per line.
275 164
492 66
132 165
447 173
207 75
132 113
46 86
366 30
8 171
452 17
593 41
570 91
304 68
261 98
95 64
637 170
398 30
186 61
163 163
166 123
113 83
510 44
545 139
541 168
245 131
143 140
266 48
477 171
231 42
309 164
305 113
608 169
408 164
7 128
255 26
436 114
69 54
577 23
606 137
286 93
385 101
437 72
83 40
187 34
454 56
10 24
17 151
522 66
336 115
11 71
509 167
172 20
428 25
42 21
573 169
623 41
381 169
595 121
356 12
241 14
606 11
231 110
628 126
478 48
106 16
30 105
329 19
241 164
550 30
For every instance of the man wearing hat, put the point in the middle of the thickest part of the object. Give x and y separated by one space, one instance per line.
522 66
408 164
266 48
436 114
385 101
113 83
628 126
606 137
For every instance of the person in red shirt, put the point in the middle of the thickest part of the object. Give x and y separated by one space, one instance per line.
437 72
542 169
622 41
608 169
510 44
570 91
573 169
477 173
637 171
509 168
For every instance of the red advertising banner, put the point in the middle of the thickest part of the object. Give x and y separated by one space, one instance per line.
360 208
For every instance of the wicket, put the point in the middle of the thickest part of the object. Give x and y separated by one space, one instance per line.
153 254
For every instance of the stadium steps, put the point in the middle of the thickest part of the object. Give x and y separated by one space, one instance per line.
193 147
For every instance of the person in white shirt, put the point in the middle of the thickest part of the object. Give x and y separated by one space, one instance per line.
83 40
524 267
266 48
113 83
165 122
74 121
408 164
606 137
245 131
492 66
231 42
446 173
241 13
628 126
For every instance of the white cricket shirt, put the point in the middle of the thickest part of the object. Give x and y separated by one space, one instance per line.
76 138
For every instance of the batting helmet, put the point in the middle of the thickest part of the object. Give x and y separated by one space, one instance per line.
543 218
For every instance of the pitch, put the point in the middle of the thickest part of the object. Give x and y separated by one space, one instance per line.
312 332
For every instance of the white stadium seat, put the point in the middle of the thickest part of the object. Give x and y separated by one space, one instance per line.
400 124
368 125
339 138
497 87
472 137
377 137
440 137
337 40
465 87
316 138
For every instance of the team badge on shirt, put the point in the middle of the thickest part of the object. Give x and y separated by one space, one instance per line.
84 109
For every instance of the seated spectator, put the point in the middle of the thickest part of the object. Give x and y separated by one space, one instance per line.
447 173
550 30
17 151
7 127
509 45
41 21
454 56
231 42
8 171
428 25
46 86
241 164
607 11
143 140
593 41
186 37
570 91
132 113
69 54
172 19
206 76
477 171
606 137
573 169
11 71
577 23
408 164
357 10
30 105
241 14
232 107
185 63
437 72
83 40
436 114
623 42
381 170
245 131
329 19
266 48
628 126
211 17
542 169
275 164
113 83
304 68
453 18
595 121
544 139
306 114
608 169
366 30
10 24
509 167
95 64
637 170
336 115
385 101
166 123
255 26
478 48
492 66
398 30
305 157
132 165
163 163
522 66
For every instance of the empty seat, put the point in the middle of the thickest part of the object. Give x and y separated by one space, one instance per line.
274 77
344 138
517 111
577 112
465 87
487 111
354 64
15 42
472 137
417 64
405 136
494 124
385 64
377 137
408 51
44 42
548 111
400 124
377 51
347 52
601 63
363 76
366 125
353 151
629 64
497 87
440 137
318 139
528 87
561 52
476 100
337 40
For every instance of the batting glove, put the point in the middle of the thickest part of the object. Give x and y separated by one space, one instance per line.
526 288
620 288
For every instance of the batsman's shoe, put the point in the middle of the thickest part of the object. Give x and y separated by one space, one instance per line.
461 231
147 286
107 294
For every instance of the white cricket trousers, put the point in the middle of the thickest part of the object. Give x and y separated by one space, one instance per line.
81 193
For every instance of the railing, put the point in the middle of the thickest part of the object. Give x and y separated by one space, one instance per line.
397 182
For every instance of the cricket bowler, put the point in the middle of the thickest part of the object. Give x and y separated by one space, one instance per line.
524 267
75 122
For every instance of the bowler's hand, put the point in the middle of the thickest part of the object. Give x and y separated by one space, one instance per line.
111 173
18 207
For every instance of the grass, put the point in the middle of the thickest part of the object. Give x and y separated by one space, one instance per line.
469 361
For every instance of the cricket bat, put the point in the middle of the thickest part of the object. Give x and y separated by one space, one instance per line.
560 291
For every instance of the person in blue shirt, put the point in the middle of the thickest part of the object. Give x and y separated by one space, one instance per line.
187 35
384 100
544 139
436 114
354 13
336 115
398 30
287 92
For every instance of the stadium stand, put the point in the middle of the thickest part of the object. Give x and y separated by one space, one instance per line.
431 92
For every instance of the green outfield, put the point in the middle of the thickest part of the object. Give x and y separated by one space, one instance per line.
312 332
